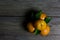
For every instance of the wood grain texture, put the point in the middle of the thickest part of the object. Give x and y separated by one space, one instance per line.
11 28
19 7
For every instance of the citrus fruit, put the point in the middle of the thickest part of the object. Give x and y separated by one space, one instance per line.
30 27
46 31
40 24
43 16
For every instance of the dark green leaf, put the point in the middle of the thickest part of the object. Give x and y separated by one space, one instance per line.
38 14
47 19
36 32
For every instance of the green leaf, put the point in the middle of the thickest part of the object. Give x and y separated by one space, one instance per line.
36 32
47 19
38 14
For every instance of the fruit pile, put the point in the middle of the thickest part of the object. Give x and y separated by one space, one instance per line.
40 25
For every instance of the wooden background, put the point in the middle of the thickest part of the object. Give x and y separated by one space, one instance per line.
11 27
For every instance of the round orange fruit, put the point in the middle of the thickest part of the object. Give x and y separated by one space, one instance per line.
30 27
46 31
40 24
43 16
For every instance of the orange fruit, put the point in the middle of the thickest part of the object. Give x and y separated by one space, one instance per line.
40 24
43 16
46 31
30 27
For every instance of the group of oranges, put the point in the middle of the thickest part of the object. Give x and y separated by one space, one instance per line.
40 26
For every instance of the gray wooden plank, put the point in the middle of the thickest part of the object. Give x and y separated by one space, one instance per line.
19 7
11 29
13 23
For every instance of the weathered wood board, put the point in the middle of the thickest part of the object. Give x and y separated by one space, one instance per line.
11 29
19 7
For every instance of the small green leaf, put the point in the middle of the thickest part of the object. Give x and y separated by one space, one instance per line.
38 14
36 32
47 19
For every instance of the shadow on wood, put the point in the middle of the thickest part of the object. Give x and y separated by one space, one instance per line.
2 35
28 17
